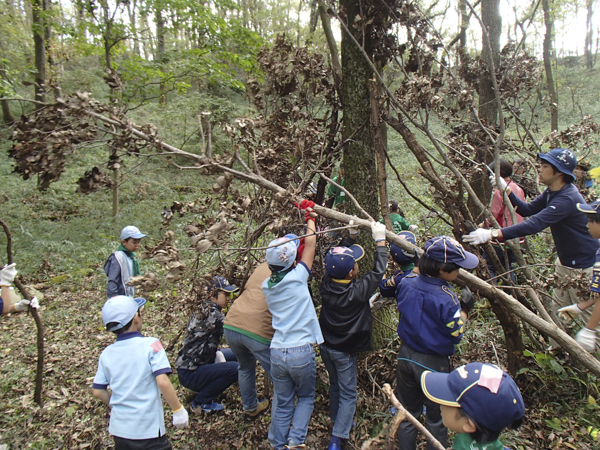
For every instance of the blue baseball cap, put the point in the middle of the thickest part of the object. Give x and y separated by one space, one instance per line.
448 250
486 393
402 256
282 252
120 310
221 284
592 208
561 158
131 232
339 261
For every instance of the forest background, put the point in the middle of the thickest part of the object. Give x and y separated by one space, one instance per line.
199 122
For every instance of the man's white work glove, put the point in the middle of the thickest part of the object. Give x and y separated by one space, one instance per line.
374 299
24 304
503 184
180 418
220 357
568 313
587 339
413 228
477 237
354 231
378 230
7 275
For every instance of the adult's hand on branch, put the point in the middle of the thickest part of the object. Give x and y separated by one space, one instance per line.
478 237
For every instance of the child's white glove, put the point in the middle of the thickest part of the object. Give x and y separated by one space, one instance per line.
568 313
220 357
353 230
378 230
478 237
413 228
7 275
587 339
24 304
374 299
180 418
503 184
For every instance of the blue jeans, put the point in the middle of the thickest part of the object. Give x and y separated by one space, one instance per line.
248 350
342 389
210 380
294 372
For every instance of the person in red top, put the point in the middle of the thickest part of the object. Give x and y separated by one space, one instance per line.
502 214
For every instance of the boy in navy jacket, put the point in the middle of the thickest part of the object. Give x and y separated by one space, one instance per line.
431 324
346 325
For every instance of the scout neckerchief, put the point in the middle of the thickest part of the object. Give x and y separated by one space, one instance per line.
276 277
463 441
136 262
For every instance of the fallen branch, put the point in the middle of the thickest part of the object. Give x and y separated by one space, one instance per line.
39 374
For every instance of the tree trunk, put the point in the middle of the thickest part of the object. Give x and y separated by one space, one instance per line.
589 34
331 44
490 15
464 24
548 38
160 50
131 10
7 116
38 27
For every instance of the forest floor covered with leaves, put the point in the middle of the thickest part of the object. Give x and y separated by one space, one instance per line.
560 398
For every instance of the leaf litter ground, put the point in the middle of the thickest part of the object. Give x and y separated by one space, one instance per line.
73 419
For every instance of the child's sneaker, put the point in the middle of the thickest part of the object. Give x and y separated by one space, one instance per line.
296 447
207 407
260 407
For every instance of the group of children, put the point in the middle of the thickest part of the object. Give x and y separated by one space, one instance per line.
476 400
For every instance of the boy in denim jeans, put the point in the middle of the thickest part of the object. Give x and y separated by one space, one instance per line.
293 366
346 324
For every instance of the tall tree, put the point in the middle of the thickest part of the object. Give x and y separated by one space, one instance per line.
39 40
548 39
492 20
589 34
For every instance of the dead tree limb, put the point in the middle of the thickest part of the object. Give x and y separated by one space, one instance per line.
39 374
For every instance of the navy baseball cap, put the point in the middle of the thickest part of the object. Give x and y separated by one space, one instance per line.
221 284
339 261
448 250
402 256
591 208
131 232
120 310
561 158
485 392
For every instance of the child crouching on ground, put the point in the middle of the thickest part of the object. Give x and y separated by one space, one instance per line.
477 401
431 324
136 369
346 324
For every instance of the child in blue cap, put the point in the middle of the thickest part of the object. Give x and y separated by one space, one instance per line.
406 262
431 324
201 366
136 369
346 325
477 401
123 264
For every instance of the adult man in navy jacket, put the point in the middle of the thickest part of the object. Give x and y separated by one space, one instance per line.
554 208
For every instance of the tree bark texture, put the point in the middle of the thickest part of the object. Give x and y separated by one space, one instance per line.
548 38
160 49
589 35
490 15
38 9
